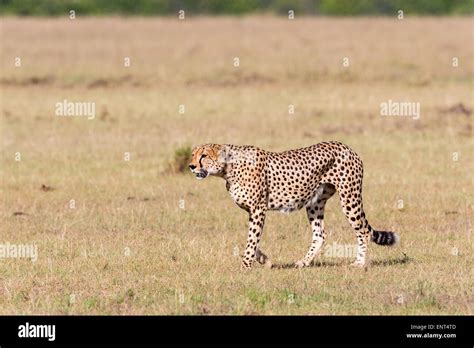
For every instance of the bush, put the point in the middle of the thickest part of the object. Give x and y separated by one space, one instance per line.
234 7
181 159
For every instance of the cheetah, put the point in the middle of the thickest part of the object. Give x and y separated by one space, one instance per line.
259 181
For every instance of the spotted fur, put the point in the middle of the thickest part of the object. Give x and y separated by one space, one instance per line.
259 181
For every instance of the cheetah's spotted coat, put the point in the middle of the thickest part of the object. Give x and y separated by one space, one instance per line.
259 181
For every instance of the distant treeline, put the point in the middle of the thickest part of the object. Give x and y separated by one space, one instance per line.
235 7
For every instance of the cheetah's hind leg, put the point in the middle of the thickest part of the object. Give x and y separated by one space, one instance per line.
315 211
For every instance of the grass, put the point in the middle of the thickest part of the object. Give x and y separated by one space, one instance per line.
141 239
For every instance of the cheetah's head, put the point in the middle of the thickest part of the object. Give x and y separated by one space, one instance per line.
207 160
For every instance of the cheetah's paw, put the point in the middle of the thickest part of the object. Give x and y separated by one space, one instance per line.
301 264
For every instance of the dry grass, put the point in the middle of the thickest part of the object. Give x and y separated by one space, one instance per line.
128 248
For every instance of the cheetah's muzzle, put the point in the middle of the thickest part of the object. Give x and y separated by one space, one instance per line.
202 174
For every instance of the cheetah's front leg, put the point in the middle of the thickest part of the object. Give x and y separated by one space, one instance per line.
256 221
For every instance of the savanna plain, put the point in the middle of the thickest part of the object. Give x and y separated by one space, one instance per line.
122 227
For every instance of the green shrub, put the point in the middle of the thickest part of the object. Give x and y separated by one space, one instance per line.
181 159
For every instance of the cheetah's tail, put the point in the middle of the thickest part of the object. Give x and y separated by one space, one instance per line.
387 238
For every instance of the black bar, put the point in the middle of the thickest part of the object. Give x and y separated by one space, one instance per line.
195 330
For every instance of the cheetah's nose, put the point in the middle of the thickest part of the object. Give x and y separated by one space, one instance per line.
192 166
